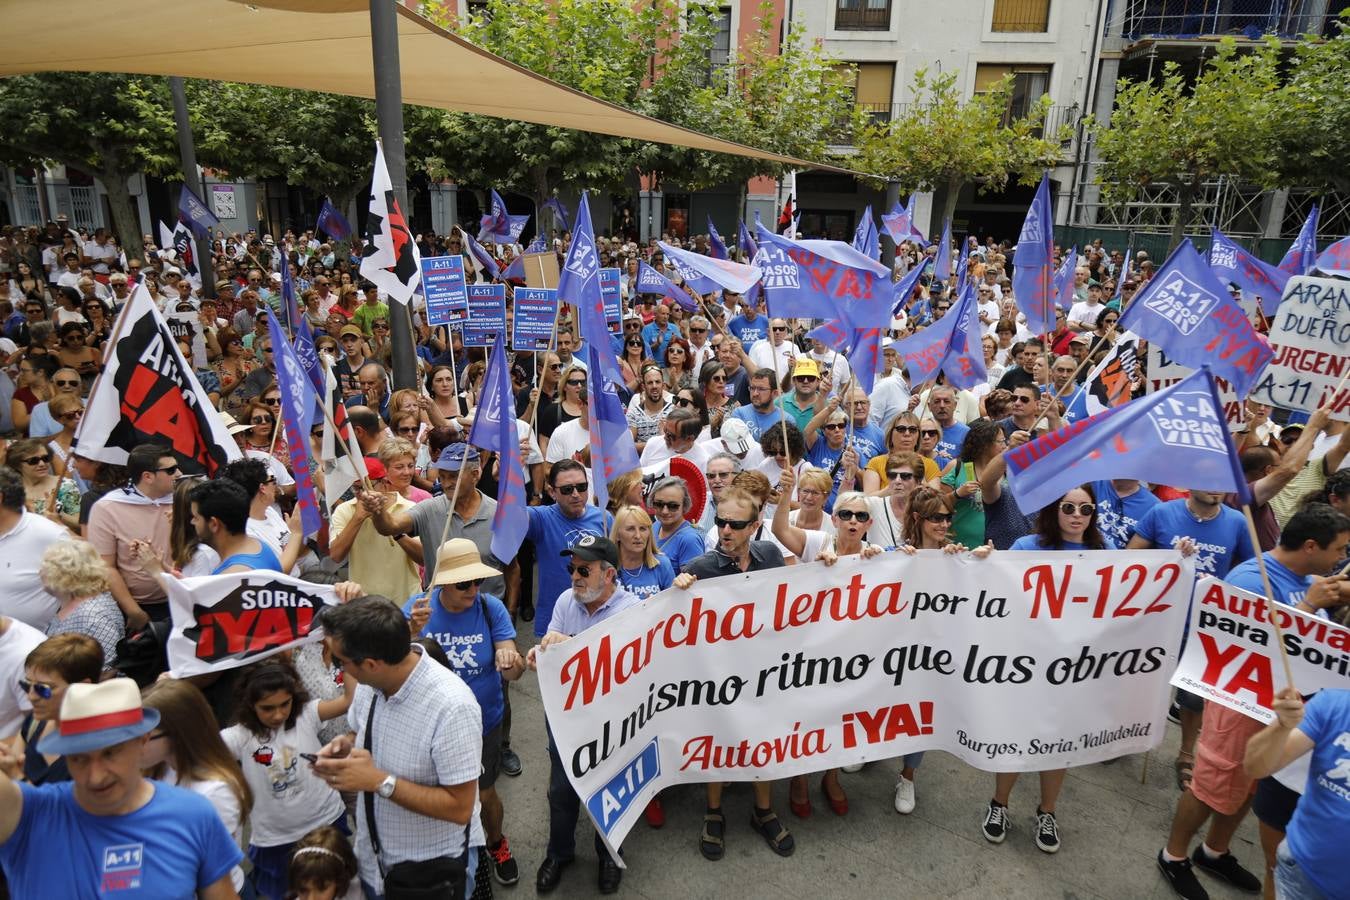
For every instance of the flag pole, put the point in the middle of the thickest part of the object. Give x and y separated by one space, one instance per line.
1270 592
337 432
1059 393
449 515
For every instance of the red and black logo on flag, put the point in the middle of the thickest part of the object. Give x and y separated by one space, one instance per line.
395 230
252 620
158 400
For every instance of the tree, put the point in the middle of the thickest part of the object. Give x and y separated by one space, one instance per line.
1315 115
108 126
1226 123
945 142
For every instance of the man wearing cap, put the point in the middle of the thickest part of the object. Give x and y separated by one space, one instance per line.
382 564
594 597
109 831
1083 314
474 629
806 398
734 439
352 340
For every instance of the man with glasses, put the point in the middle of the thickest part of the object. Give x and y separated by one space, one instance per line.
987 307
24 537
806 399
556 527
679 437
1027 407
139 512
43 423
738 519
776 353
722 467
595 596
700 348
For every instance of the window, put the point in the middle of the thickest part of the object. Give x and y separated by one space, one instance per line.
720 54
862 15
873 88
1030 16
1029 83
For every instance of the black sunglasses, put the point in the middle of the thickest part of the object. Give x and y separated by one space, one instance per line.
571 383
583 571
940 518
734 524
900 476
930 432
683 401
568 490
37 460
465 585
848 515
671 505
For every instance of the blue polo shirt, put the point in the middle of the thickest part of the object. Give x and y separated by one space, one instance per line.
1290 588
653 332
1119 516
1316 834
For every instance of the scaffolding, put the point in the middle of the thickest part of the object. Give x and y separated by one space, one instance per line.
1210 18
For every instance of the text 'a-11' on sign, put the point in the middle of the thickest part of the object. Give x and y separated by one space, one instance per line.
608 805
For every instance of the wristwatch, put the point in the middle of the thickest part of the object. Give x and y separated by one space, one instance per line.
386 788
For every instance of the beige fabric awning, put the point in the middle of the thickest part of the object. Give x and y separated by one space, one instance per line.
319 45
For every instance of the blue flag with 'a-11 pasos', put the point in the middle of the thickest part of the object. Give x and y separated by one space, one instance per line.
612 449
1176 436
950 345
494 428
1236 265
650 281
1188 312
298 401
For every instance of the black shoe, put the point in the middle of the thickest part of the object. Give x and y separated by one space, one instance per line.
996 823
511 764
1227 868
1174 713
526 612
550 873
504 867
1182 879
610 874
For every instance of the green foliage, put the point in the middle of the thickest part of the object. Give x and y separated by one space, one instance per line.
1315 115
944 141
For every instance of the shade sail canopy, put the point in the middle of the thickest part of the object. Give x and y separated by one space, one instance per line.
318 45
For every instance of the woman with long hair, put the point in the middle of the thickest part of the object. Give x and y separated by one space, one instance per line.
46 493
186 749
569 405
445 403
643 569
984 443
262 417
712 384
901 434
33 386
632 361
690 397
232 367
678 364
187 553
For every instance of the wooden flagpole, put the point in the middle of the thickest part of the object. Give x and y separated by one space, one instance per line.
1270 592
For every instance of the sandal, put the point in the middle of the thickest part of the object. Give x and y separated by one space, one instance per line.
779 839
712 843
1185 769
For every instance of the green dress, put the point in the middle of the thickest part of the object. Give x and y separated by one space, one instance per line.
968 521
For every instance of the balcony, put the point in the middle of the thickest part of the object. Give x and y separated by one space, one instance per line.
862 15
881 113
1216 18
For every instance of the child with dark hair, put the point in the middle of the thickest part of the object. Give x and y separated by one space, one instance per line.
323 866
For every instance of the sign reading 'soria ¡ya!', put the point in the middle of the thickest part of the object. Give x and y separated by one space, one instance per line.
1019 662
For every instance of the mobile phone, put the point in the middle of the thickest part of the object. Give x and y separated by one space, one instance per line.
312 757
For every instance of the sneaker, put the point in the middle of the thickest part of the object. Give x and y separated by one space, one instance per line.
1182 879
1174 713
1047 832
504 867
904 796
510 762
1229 869
996 822
856 767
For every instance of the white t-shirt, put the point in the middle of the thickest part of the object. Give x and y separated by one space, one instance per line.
226 804
658 451
204 561
15 645
887 528
273 531
990 309
568 438
826 523
1085 313
101 255
781 359
289 800
24 598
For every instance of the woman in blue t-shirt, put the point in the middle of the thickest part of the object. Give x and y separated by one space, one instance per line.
675 537
643 570
1070 523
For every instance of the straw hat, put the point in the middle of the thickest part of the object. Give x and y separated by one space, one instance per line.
458 560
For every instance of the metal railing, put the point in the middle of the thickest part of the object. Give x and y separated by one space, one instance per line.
1203 18
1055 118
861 15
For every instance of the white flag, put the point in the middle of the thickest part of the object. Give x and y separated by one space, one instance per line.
341 467
390 257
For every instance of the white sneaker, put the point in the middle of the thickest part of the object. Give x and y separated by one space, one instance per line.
856 767
904 796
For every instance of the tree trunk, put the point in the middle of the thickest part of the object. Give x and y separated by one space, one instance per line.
126 224
1185 200
539 180
954 186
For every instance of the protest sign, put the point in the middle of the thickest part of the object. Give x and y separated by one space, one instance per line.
186 328
487 314
535 310
226 621
1019 662
1310 335
1233 657
443 286
609 291
1163 372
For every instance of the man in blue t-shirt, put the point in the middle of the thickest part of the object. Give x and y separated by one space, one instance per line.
1219 532
749 326
656 334
475 631
555 528
1121 503
1310 862
760 414
109 831
942 406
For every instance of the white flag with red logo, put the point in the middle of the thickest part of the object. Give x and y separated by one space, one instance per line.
341 461
390 257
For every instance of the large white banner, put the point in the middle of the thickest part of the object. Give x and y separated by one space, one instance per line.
1163 373
225 621
1019 662
1233 657
1310 335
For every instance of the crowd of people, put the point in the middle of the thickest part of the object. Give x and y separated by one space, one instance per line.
366 764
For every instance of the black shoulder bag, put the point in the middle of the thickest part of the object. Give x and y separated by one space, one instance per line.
441 878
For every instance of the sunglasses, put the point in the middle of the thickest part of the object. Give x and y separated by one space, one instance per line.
1017 398
698 331
906 429
261 420
778 328
38 460
61 382
408 429
634 343
583 571
43 690
900 476
929 433
380 326
568 490
683 401
939 518
805 378
849 515
571 383
73 414
733 524
1083 509
274 401
465 585
671 505
835 426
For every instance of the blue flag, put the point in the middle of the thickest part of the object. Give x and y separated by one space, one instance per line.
717 248
904 288
899 223
194 213
579 285
298 400
861 346
1233 264
866 239
309 357
612 449
482 260
1175 436
499 226
1188 313
559 210
333 223
1034 263
745 242
1063 284
515 271
538 245
650 281
942 264
289 304
732 276
1335 260
823 280
950 345
494 429
963 266
1302 254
